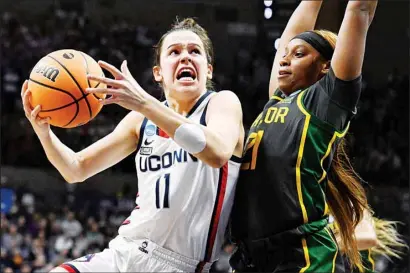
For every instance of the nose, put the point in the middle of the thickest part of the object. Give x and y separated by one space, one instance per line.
284 62
186 58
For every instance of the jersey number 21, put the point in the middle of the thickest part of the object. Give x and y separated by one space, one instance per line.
253 142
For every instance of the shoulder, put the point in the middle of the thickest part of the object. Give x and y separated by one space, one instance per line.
131 123
225 98
133 117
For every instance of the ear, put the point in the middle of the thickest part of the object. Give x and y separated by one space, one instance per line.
325 67
156 71
210 71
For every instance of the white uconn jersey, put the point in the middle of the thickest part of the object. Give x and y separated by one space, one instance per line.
183 204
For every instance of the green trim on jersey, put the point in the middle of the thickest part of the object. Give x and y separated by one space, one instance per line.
367 261
318 139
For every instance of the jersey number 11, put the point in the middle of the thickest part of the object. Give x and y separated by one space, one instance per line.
166 179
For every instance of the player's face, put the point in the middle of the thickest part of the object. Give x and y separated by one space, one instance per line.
300 67
183 69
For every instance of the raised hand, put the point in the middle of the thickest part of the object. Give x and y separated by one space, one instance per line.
40 125
124 90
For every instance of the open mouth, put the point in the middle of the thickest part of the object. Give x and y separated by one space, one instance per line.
186 74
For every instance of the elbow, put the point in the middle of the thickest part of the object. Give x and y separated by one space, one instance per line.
76 172
219 160
367 241
372 240
360 6
364 9
72 179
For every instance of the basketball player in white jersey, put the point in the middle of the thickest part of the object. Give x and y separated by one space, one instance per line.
187 159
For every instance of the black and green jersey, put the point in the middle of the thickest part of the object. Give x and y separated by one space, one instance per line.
279 216
367 260
287 155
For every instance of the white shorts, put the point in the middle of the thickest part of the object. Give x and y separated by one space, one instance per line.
126 255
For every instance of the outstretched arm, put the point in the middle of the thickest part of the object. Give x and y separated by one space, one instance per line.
303 19
348 57
214 144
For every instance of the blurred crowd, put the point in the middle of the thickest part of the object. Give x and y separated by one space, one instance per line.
36 237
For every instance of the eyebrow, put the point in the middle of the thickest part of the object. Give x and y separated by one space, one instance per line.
295 47
190 44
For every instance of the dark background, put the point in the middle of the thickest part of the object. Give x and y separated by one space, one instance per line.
37 230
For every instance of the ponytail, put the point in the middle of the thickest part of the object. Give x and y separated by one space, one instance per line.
347 201
389 242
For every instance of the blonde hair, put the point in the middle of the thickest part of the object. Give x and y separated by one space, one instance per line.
331 37
347 202
389 242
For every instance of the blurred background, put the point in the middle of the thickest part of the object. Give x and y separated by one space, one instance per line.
45 221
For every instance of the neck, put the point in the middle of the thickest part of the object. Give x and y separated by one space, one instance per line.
182 107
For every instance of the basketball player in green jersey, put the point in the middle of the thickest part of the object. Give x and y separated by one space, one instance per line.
295 171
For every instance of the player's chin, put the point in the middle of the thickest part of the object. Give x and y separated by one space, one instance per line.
283 85
187 86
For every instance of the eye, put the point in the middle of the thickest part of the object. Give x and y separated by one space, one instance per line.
196 51
299 54
174 52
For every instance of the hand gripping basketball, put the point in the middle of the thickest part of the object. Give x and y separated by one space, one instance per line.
40 125
124 89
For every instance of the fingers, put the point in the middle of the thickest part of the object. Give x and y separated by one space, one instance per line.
24 88
35 112
124 68
127 73
108 91
43 120
35 117
110 100
107 81
112 69
26 102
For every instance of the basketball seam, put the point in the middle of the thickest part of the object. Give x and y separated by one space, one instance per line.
73 78
66 105
87 71
65 92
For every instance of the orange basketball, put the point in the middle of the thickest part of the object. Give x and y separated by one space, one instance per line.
58 82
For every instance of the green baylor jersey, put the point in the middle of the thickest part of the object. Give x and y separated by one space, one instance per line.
287 155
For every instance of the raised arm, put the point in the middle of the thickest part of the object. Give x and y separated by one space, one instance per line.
348 57
303 19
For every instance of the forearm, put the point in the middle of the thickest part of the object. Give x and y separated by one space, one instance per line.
303 19
215 153
63 158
